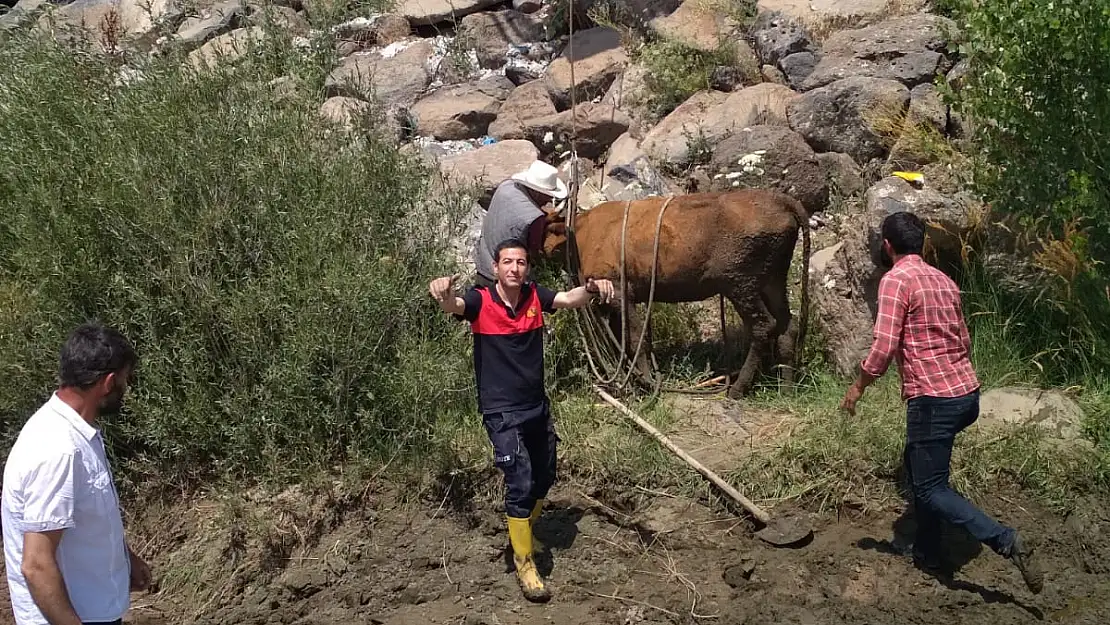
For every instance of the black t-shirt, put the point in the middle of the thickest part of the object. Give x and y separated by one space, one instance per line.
508 346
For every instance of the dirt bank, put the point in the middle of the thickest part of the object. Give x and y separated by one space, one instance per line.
669 561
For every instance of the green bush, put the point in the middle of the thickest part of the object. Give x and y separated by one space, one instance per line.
1037 94
676 71
271 270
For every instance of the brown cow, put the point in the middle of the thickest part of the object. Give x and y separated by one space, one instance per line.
737 244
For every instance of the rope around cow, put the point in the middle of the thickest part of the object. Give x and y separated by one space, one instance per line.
593 331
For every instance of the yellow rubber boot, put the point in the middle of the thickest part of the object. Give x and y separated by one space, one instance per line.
537 510
520 535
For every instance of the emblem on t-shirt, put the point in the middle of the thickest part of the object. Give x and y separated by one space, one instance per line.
531 312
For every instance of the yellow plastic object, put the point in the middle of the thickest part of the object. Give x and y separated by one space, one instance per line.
911 176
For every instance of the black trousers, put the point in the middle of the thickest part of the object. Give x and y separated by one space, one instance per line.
524 445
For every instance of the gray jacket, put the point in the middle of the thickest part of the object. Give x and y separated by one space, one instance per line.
511 212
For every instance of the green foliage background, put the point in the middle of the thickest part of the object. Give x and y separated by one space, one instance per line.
1038 101
271 270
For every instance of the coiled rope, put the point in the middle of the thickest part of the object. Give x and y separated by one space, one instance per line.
598 340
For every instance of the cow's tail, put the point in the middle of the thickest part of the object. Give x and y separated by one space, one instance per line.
803 222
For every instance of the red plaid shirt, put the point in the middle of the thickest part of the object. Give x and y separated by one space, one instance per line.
921 324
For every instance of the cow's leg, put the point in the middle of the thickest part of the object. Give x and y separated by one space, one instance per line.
758 325
777 301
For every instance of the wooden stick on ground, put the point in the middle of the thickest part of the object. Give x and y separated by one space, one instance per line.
756 511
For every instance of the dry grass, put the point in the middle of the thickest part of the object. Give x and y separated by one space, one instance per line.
918 139
822 26
897 8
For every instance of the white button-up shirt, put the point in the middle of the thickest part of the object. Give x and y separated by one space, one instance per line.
57 478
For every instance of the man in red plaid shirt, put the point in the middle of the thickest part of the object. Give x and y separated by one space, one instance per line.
920 324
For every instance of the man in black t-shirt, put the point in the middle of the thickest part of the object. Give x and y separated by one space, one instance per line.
507 323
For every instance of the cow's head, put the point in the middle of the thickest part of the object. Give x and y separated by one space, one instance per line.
555 234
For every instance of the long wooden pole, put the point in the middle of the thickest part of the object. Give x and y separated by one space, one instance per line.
756 511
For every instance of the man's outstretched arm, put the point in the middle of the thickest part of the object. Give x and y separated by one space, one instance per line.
442 291
891 317
580 296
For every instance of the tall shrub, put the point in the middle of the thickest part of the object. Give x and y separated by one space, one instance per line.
270 269
1038 100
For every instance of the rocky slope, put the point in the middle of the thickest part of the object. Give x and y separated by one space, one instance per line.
824 101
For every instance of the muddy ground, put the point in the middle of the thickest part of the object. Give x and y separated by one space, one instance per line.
622 558
671 562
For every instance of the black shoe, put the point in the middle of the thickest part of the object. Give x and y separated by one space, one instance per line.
1022 555
930 564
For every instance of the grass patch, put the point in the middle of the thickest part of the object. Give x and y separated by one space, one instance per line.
833 458
676 71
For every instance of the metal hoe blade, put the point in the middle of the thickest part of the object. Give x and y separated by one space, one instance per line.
785 531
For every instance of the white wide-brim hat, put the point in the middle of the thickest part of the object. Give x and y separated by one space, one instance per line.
543 178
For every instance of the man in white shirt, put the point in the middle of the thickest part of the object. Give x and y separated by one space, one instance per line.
66 558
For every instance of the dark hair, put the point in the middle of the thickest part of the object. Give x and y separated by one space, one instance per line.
508 244
92 351
905 231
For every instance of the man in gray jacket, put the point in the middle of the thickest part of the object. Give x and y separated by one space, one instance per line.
515 214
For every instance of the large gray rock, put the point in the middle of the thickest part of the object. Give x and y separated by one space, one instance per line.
1056 413
460 111
770 157
216 20
629 175
777 36
595 126
84 18
527 102
847 280
489 165
428 12
797 67
393 81
908 49
824 10
491 35
710 116
847 115
598 59
843 174
226 48
947 220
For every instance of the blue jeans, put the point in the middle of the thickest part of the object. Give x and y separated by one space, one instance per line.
932 424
